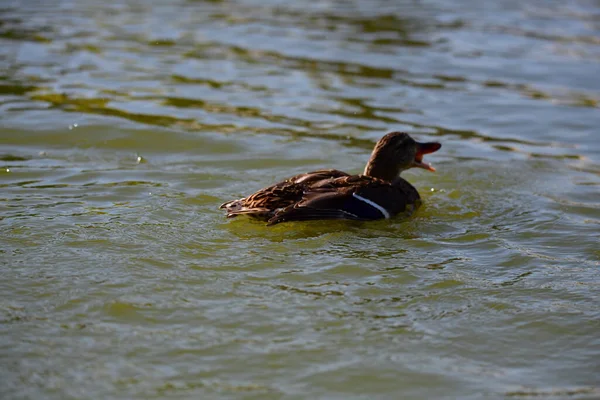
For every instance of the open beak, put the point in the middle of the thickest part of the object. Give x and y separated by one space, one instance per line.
422 149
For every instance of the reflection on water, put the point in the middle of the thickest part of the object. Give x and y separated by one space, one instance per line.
124 126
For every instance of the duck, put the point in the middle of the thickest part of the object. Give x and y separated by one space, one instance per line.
326 194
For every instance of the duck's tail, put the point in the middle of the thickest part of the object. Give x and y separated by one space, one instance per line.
236 207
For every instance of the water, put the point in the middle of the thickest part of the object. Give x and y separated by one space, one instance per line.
125 125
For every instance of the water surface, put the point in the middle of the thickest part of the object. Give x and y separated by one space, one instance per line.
125 125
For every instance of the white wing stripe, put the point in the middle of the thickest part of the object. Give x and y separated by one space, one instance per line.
382 210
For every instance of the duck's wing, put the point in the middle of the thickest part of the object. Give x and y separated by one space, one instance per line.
267 201
357 197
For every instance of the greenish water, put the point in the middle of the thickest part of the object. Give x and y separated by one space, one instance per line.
124 126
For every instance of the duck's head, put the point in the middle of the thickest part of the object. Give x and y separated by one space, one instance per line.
396 152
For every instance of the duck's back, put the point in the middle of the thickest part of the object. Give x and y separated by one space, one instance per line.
265 202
